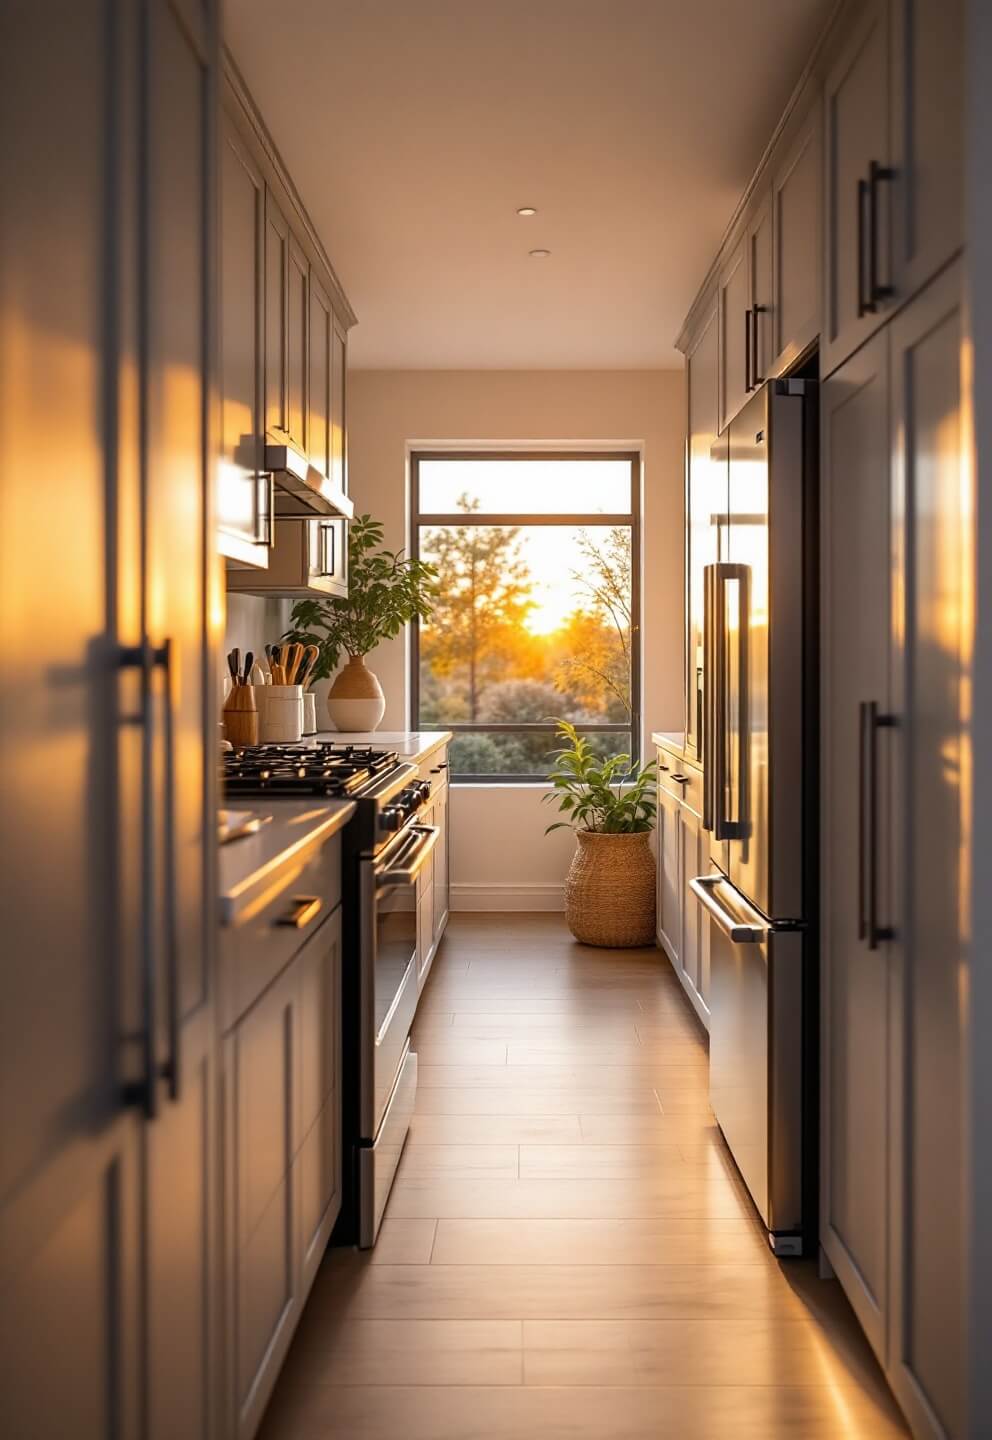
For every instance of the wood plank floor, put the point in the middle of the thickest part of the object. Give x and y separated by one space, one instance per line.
568 1252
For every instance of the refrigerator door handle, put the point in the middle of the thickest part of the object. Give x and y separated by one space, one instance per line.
709 696
742 925
738 828
715 734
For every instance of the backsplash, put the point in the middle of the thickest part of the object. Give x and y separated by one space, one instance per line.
253 622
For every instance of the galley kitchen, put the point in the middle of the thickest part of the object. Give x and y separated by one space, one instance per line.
491 582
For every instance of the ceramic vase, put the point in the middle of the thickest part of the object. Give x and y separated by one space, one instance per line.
355 701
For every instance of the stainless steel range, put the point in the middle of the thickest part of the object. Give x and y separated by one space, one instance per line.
384 850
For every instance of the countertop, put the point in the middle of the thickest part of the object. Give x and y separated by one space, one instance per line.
670 739
674 742
412 745
254 863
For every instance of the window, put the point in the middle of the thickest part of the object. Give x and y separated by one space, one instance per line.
536 620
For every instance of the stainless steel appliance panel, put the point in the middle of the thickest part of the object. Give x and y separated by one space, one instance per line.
756 1075
713 657
379 1162
388 966
764 648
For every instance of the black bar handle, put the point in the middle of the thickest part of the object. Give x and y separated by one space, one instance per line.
748 328
165 658
876 174
873 722
143 1093
756 378
862 811
864 304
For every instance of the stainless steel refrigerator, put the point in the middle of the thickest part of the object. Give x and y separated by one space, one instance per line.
760 750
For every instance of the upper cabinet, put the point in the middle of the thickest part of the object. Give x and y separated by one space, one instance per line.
733 299
893 164
926 118
796 187
746 309
855 207
244 512
321 324
706 500
284 329
276 318
858 287
297 342
758 331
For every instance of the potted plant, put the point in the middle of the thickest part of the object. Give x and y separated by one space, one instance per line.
386 590
611 806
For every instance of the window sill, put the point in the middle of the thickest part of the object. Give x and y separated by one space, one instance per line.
477 783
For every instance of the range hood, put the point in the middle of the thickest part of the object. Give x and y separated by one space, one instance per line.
302 492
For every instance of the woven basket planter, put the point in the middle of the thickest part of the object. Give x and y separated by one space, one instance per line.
610 890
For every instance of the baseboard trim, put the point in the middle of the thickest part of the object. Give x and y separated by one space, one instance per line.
534 895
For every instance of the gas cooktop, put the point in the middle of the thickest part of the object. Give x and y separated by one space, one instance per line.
321 768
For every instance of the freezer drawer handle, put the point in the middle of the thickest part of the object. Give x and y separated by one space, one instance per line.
305 908
732 926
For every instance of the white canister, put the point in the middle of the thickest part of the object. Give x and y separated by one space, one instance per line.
281 720
261 695
309 713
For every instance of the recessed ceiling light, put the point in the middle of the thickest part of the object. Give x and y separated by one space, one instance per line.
527 210
540 254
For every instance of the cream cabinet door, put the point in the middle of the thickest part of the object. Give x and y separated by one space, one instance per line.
857 188
733 297
855 969
761 327
798 241
669 919
243 518
929 819
927 113
706 496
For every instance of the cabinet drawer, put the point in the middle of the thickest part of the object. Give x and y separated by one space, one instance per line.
681 780
435 768
255 951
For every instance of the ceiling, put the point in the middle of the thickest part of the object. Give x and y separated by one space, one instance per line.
414 129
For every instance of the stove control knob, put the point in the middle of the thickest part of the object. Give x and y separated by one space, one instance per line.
392 817
423 790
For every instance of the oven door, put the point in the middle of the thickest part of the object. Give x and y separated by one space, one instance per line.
389 967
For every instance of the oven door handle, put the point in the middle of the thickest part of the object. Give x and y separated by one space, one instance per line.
412 858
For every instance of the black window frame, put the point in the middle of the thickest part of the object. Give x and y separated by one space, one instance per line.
631 519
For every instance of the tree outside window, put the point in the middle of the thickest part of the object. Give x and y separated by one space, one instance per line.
536 617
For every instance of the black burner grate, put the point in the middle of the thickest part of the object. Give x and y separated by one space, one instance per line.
325 768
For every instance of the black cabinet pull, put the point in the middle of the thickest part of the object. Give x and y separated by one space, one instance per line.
876 290
869 724
144 1092
864 304
756 378
748 318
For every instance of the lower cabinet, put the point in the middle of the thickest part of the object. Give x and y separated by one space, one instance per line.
682 924
898 534
283 1163
441 878
669 919
433 886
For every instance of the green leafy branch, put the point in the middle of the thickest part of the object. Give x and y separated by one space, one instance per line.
611 797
